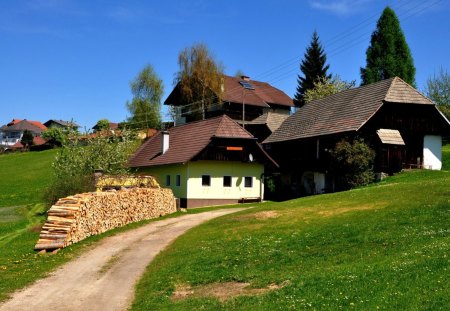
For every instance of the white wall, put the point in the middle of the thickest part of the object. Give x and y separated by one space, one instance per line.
432 152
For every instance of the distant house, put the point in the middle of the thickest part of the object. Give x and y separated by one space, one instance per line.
61 124
11 133
241 97
112 126
404 128
209 162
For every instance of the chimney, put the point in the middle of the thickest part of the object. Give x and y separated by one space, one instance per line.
164 141
245 78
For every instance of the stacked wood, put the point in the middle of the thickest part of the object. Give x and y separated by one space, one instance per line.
77 217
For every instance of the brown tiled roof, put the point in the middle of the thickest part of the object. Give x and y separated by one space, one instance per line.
32 126
272 119
186 141
345 111
263 94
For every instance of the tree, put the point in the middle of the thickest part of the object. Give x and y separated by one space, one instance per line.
438 88
352 161
147 89
200 79
102 125
324 87
388 54
27 138
313 67
76 161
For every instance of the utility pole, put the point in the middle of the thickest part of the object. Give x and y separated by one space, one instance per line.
243 108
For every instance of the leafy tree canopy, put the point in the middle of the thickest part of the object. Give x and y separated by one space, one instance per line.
145 107
438 88
324 87
27 138
102 125
388 54
200 79
313 67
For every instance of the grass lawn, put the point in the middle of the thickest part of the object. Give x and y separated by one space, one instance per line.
386 246
24 177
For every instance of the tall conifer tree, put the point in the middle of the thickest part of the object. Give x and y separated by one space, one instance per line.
388 54
313 67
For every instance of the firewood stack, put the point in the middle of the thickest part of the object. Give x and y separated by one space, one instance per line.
77 217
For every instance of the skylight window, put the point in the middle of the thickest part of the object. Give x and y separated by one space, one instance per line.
247 85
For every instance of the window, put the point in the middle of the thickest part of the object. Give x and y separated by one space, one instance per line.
178 180
168 180
248 183
227 181
206 180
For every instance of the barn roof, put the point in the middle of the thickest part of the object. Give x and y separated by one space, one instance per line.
346 111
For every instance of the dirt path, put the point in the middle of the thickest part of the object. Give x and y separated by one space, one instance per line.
104 278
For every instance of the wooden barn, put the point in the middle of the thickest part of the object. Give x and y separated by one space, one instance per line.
403 127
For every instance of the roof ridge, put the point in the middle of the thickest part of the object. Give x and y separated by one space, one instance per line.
397 78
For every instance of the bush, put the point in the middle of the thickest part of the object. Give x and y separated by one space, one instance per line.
352 162
77 160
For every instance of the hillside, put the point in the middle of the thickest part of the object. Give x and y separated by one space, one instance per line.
24 177
381 247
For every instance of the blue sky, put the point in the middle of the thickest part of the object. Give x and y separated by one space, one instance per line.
74 59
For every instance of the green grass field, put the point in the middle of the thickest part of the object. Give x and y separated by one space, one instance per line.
385 246
24 177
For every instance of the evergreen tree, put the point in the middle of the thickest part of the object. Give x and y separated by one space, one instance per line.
313 68
27 139
388 54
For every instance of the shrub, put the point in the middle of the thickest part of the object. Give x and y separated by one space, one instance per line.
77 160
352 162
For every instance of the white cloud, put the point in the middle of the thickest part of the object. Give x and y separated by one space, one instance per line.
339 7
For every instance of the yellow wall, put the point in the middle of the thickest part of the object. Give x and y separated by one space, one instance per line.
191 179
218 169
160 173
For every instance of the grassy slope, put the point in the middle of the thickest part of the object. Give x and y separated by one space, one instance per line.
24 176
384 246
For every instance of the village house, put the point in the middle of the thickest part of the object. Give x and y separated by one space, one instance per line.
209 162
52 123
403 127
11 133
259 106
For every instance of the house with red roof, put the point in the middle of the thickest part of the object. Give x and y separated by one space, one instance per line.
401 125
209 162
11 133
256 104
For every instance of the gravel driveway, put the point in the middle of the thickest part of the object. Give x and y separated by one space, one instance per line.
105 276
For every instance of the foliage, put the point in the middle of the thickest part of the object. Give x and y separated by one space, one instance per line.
388 54
313 68
102 125
380 247
59 135
147 89
353 163
239 73
27 138
438 90
77 160
324 87
200 79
